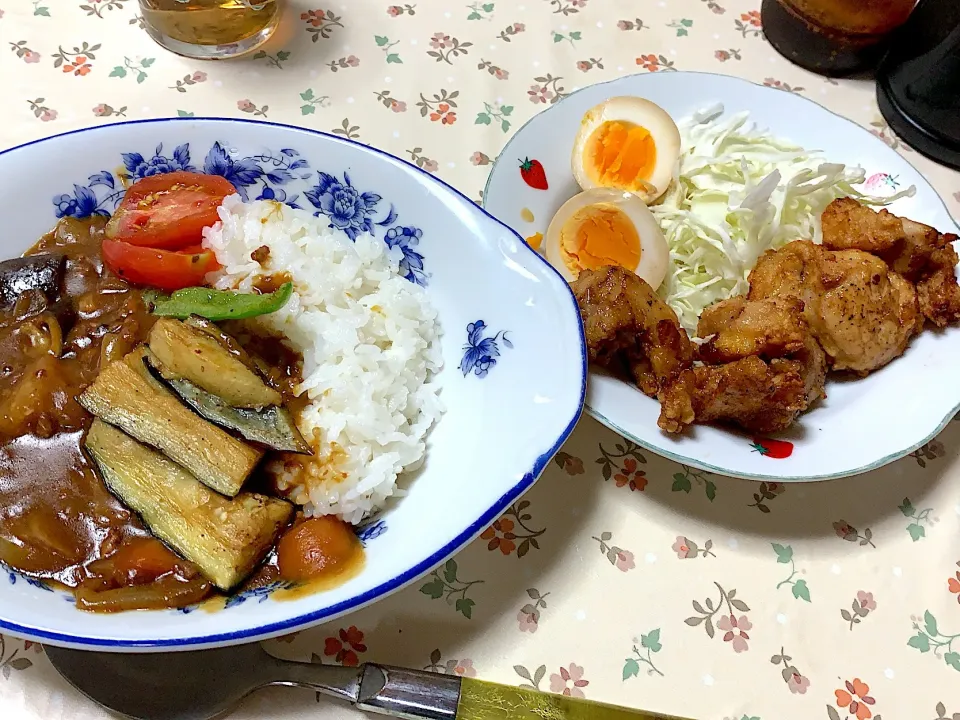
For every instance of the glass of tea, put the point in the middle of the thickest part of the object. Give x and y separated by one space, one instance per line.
210 29
833 37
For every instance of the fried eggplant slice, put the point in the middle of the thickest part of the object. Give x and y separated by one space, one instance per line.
197 356
272 426
125 394
225 538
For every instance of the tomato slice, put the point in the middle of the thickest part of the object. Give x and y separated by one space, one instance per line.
169 211
162 269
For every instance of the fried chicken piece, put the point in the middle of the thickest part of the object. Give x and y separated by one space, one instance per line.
862 313
791 271
938 292
903 244
813 364
918 252
760 396
867 315
735 328
772 367
771 328
626 322
849 225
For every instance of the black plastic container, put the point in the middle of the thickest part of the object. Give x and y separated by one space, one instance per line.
830 42
918 82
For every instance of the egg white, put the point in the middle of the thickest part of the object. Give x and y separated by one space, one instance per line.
654 253
637 111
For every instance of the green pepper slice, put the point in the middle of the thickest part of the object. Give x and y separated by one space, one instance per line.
217 304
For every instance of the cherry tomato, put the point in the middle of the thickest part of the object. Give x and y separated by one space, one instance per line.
169 211
162 269
315 547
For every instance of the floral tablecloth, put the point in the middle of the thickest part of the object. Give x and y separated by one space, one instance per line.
621 576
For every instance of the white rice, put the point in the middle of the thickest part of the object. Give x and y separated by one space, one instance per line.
370 345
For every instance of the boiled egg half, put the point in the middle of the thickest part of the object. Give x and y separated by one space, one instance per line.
603 227
627 143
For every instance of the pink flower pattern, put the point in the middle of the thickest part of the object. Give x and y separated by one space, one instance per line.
798 684
440 41
569 681
682 548
540 94
463 668
527 621
735 631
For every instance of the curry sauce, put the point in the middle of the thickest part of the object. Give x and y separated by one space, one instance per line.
58 521
56 517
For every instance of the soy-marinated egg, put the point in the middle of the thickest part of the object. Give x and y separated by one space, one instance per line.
603 227
627 143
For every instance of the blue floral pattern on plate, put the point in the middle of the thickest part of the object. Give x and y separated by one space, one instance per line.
411 266
260 594
14 576
267 176
371 531
346 208
138 168
479 352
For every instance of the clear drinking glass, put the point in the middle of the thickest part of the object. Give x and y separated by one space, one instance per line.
833 37
211 29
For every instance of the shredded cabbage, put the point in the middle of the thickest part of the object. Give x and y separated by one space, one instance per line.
741 192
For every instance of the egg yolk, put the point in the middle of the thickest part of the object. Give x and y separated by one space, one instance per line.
597 236
621 154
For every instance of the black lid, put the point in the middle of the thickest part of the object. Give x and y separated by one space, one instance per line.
918 83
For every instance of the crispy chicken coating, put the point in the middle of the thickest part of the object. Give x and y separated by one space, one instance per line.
761 396
625 322
862 313
938 293
915 251
767 368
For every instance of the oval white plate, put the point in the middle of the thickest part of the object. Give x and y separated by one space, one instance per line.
863 424
514 373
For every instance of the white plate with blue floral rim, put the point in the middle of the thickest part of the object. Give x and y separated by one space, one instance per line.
514 373
862 425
